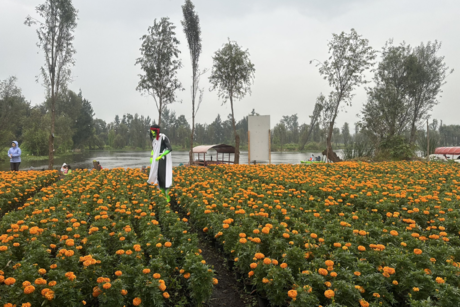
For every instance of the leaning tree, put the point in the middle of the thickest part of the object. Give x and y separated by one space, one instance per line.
232 75
160 62
55 30
349 57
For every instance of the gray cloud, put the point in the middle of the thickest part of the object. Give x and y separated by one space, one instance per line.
282 37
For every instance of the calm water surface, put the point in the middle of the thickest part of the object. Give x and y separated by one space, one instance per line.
137 159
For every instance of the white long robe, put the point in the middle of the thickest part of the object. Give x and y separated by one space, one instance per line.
153 176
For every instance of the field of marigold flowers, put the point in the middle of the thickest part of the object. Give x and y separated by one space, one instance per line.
345 234
15 187
97 239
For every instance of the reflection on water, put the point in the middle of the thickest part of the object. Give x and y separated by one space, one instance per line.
135 159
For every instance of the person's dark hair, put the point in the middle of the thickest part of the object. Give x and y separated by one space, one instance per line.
68 165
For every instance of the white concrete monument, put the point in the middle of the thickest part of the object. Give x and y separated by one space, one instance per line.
259 145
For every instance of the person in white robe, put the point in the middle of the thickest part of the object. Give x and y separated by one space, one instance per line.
161 162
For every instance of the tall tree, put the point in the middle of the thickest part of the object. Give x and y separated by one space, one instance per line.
192 30
160 61
427 72
232 75
55 37
13 108
350 56
387 110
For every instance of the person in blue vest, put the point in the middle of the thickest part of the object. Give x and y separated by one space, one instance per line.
15 156
161 162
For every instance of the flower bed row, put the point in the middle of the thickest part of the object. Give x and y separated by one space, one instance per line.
343 234
100 239
16 187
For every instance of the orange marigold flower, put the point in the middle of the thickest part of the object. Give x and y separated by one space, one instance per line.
29 289
259 255
215 281
283 265
137 301
329 262
156 276
292 293
322 271
439 280
417 251
166 295
146 271
329 293
9 281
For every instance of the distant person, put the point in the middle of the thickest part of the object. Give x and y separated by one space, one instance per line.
312 157
15 156
62 167
96 165
67 169
161 166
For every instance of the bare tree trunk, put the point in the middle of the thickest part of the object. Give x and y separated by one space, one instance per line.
237 137
51 138
304 141
427 141
193 121
331 155
413 132
159 112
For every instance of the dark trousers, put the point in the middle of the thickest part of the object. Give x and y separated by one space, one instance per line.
15 166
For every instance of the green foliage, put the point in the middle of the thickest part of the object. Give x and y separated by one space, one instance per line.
232 72
36 132
396 148
13 109
160 62
359 146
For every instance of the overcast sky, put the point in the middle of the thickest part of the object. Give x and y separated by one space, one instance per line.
281 36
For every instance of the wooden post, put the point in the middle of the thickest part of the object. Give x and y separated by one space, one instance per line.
269 148
249 148
427 141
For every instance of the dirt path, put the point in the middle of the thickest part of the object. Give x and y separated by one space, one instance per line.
228 292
